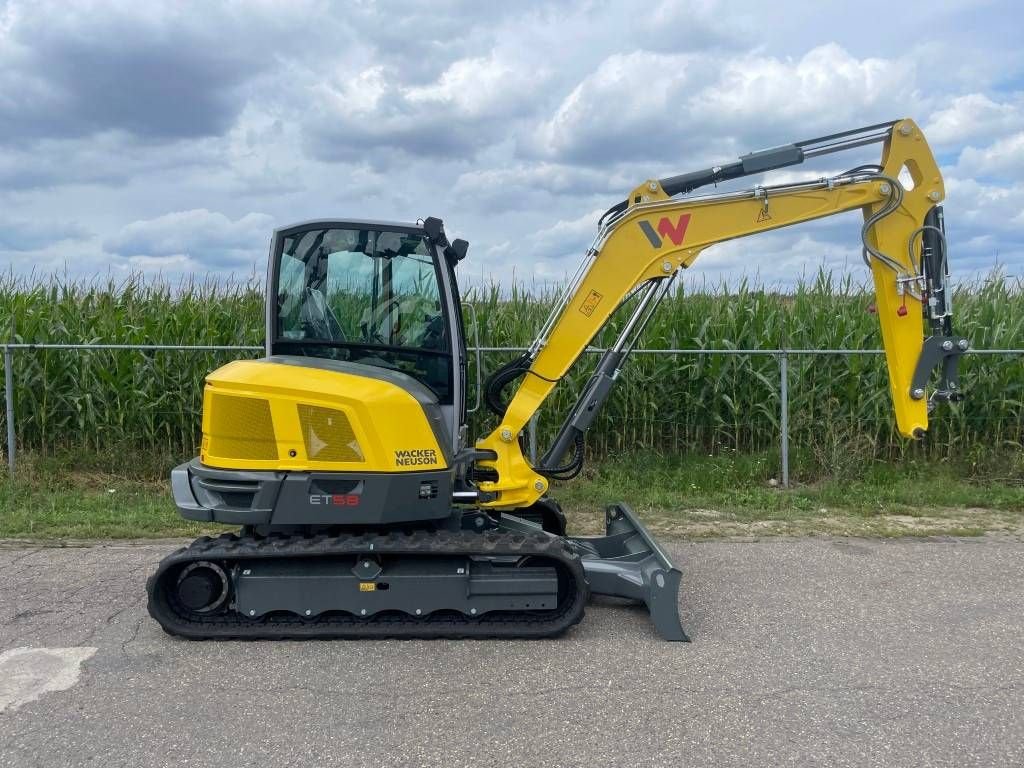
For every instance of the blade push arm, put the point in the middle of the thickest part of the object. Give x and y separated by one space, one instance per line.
650 237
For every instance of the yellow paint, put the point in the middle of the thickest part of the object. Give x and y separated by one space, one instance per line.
627 258
383 417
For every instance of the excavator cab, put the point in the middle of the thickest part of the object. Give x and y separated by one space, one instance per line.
377 294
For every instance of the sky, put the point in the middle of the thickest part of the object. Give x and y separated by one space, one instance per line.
172 138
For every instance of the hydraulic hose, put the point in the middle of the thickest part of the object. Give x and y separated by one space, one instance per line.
500 379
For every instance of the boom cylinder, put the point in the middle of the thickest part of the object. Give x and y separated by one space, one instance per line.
600 385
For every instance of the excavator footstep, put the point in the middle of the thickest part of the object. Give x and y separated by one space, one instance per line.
627 562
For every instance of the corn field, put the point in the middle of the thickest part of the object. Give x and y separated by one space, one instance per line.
105 400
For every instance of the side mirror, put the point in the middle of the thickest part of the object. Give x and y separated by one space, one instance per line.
433 227
456 252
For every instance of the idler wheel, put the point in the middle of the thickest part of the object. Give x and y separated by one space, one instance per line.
202 587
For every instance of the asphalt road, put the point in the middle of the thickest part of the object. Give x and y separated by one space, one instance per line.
810 652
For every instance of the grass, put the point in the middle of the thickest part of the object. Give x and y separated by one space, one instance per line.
737 495
79 496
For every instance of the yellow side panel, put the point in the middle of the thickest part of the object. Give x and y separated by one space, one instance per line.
328 434
240 427
263 415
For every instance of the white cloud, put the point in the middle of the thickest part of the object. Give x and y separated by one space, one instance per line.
109 158
460 112
989 206
515 123
18 235
669 25
781 257
200 237
1003 158
520 185
975 117
479 87
177 263
661 106
626 99
565 237
824 88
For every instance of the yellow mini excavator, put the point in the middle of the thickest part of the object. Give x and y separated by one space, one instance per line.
364 509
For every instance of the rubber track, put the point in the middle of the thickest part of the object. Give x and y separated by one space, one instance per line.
498 624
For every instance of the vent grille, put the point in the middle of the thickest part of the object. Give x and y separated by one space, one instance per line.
328 434
241 428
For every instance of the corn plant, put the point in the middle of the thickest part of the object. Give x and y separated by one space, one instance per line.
112 400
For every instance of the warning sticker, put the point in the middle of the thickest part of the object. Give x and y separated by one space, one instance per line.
590 303
367 586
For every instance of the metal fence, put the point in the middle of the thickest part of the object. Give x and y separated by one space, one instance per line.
781 355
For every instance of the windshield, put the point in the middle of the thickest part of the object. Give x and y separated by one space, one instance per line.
366 296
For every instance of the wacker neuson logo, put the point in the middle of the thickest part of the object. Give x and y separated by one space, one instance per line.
674 232
416 457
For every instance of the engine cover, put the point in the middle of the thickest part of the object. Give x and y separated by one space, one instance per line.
289 413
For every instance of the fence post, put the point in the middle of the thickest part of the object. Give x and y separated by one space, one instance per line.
784 415
9 400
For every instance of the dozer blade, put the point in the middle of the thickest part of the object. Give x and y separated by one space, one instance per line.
627 562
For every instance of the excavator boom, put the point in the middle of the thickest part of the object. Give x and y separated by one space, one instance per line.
643 242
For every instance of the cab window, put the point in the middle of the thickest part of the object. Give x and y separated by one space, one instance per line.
366 296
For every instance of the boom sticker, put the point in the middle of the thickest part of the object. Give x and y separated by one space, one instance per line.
590 303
